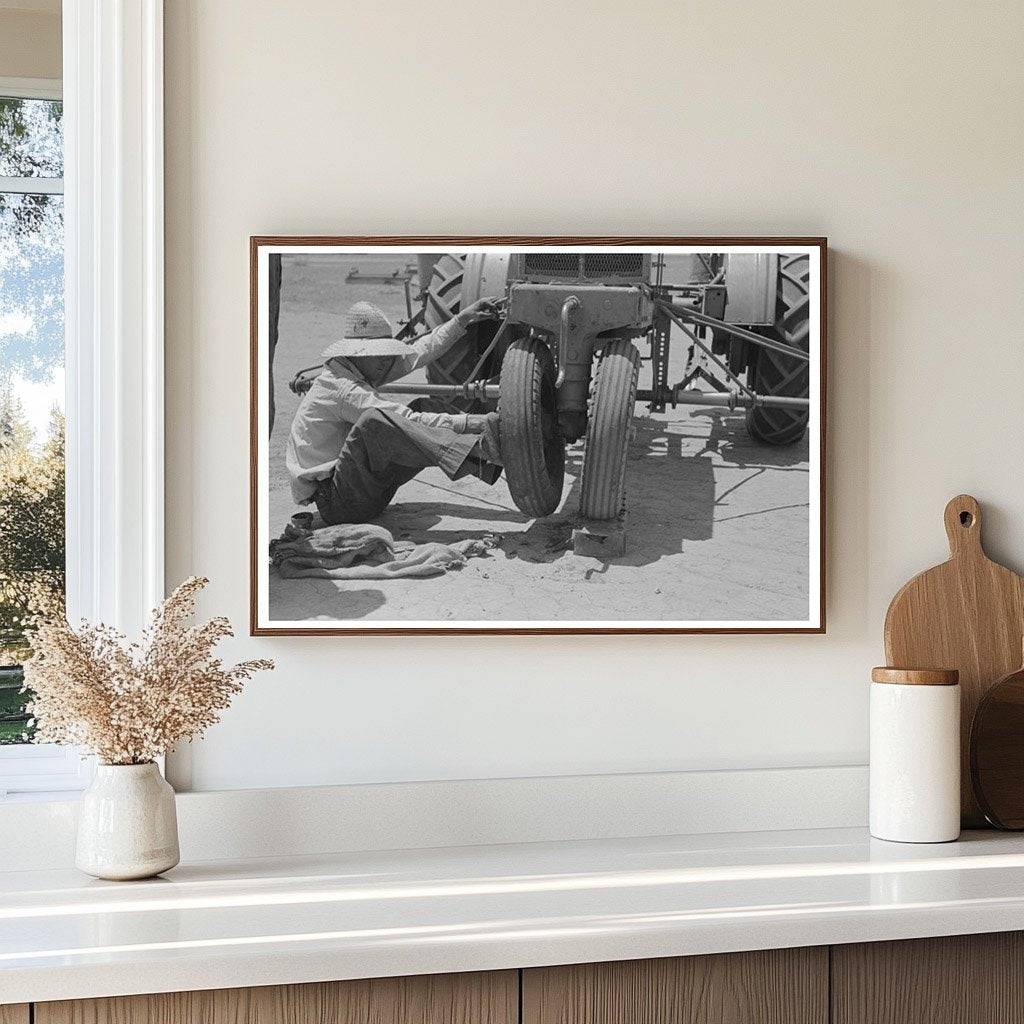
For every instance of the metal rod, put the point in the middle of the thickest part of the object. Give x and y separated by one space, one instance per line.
474 389
729 375
739 332
728 400
678 395
498 335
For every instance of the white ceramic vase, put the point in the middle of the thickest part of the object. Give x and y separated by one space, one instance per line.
127 825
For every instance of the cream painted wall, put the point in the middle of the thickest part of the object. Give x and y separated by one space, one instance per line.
895 129
30 41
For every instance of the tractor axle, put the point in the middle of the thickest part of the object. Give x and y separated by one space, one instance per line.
482 391
723 399
476 389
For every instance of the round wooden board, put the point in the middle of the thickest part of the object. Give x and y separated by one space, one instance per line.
997 752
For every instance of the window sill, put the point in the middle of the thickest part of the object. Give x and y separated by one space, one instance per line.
44 771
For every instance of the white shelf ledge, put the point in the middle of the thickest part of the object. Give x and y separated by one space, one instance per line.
353 915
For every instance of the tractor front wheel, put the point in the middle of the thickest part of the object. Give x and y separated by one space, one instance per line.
532 447
612 404
774 373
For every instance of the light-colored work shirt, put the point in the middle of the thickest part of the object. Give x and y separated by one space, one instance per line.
340 395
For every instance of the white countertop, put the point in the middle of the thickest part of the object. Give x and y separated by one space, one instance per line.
262 922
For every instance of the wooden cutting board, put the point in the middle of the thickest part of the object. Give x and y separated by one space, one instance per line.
967 614
997 752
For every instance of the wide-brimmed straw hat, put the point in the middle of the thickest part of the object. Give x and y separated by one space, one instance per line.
368 332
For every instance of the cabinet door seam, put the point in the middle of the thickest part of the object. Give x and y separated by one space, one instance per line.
830 988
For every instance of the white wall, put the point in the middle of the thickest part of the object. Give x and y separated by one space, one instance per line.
895 129
30 39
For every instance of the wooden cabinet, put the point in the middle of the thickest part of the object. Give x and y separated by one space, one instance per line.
777 986
971 979
962 979
491 998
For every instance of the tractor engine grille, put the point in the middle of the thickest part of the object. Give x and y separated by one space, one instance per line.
622 268
614 264
552 264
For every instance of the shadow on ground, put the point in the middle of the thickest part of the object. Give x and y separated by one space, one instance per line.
670 494
417 521
728 438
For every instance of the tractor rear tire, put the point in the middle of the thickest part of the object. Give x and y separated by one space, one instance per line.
773 373
612 405
532 447
443 296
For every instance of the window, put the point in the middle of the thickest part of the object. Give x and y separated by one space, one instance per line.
99 160
32 548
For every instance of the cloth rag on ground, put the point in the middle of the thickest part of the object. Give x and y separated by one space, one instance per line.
363 551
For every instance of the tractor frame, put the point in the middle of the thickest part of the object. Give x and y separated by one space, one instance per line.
562 364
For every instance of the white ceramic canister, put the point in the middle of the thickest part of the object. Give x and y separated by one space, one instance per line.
127 825
915 755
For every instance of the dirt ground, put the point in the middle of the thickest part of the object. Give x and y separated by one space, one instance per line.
717 525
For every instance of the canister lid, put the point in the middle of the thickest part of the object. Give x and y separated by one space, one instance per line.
916 676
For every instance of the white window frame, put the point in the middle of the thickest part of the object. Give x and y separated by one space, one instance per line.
114 323
31 89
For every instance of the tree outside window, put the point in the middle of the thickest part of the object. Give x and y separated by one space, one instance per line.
32 553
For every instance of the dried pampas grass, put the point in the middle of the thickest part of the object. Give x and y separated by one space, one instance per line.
129 703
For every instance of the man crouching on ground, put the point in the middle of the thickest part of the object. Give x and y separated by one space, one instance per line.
351 448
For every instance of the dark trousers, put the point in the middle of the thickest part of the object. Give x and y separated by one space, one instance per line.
384 451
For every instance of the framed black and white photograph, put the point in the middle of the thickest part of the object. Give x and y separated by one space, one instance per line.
537 435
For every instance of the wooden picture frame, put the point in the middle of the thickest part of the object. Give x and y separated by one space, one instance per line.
263 623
